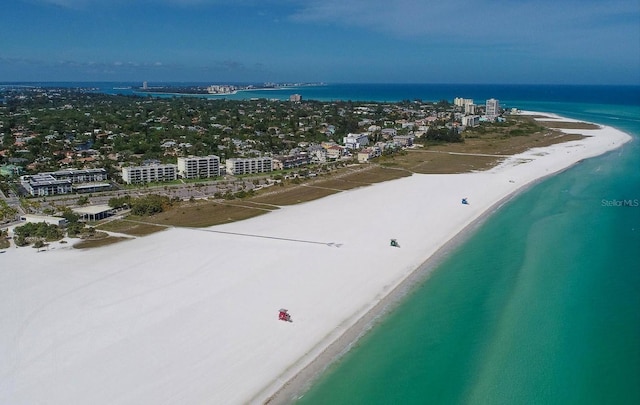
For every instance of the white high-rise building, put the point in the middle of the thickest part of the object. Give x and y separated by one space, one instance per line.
194 167
492 108
470 109
462 102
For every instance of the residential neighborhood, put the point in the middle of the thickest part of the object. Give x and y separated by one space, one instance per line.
61 141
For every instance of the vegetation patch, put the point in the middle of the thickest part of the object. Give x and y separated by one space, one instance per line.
7 212
94 243
569 125
374 174
31 233
130 227
4 241
203 214
483 148
253 204
337 184
294 195
425 162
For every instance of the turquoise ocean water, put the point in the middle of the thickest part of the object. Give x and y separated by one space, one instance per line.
541 305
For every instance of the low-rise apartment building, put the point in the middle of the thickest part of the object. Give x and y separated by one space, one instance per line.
404 140
368 153
43 184
65 181
333 152
80 175
289 162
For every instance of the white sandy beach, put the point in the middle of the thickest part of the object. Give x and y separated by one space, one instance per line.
190 316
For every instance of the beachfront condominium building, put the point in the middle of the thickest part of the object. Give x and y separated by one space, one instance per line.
149 173
492 108
249 165
198 167
461 102
469 109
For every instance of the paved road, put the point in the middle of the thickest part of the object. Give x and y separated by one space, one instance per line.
184 191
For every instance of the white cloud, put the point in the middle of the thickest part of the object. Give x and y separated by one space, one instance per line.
79 4
466 20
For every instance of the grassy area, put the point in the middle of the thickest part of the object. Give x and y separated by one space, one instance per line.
370 174
569 125
440 162
344 179
93 243
483 147
208 213
294 195
131 227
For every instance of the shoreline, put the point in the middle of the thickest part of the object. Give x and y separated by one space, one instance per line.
305 378
221 94
184 314
302 381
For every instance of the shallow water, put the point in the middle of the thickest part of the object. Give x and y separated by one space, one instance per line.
540 305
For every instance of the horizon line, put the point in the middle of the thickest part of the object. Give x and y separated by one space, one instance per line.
13 82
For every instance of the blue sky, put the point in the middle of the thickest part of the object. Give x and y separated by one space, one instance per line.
393 41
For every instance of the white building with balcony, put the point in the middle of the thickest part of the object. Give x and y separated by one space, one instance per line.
149 173
492 108
461 102
470 109
237 166
198 167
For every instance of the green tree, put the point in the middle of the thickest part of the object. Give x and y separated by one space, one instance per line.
150 204
6 211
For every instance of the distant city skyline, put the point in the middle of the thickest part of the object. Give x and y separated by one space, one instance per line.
349 41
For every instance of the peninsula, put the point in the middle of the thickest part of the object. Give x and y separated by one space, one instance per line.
218 89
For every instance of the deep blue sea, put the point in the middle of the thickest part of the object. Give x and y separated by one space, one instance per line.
541 305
